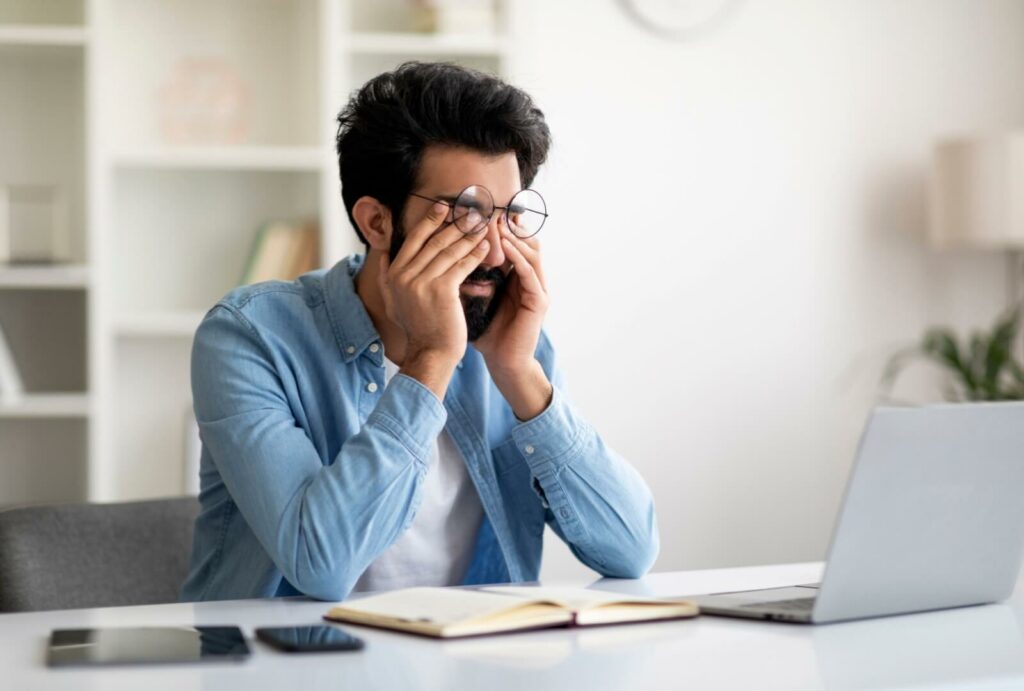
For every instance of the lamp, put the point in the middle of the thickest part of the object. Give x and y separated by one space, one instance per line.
977 192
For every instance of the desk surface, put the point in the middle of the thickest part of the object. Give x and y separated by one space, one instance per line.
974 647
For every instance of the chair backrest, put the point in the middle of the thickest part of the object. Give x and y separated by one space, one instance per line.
94 555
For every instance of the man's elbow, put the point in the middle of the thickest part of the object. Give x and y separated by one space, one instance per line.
633 556
636 561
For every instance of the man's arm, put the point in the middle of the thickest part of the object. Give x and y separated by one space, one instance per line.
596 502
321 525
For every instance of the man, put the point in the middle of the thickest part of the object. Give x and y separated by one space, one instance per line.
399 419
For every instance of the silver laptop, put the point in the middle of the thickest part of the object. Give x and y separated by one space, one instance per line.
933 518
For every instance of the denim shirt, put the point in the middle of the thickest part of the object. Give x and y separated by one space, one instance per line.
311 467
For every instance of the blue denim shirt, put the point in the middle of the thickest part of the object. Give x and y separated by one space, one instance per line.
311 467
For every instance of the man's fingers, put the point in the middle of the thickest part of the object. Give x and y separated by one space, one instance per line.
420 233
436 245
465 266
528 276
531 251
452 254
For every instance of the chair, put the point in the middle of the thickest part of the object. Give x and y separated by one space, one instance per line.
94 555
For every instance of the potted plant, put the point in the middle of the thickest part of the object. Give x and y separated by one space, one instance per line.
982 367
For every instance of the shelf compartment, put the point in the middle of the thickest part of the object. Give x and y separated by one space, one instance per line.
42 130
150 446
49 13
69 276
43 461
232 72
400 16
181 239
46 332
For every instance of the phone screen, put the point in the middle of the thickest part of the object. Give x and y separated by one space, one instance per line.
303 639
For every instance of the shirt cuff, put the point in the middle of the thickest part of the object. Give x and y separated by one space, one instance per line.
411 413
548 441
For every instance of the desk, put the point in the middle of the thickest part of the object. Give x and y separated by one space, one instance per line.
974 647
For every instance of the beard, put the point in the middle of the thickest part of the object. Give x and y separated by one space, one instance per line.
479 311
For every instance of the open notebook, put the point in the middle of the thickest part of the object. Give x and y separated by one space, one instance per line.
453 612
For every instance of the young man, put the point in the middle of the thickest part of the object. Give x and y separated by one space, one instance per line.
399 419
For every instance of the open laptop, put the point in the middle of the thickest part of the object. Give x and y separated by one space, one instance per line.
933 518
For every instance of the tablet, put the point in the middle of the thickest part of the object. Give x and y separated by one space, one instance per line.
151 645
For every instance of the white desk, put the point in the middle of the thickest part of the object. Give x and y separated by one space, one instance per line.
975 647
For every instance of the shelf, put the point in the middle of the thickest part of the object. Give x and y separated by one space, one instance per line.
269 158
68 276
45 405
178 324
43 36
397 43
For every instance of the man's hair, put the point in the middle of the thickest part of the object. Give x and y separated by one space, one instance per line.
387 124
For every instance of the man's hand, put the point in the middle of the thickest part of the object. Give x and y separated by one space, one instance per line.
509 344
421 295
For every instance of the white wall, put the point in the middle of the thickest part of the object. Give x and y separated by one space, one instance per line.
734 245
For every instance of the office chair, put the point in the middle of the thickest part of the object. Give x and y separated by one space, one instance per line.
94 555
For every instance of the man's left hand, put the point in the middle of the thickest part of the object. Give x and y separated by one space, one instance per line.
509 344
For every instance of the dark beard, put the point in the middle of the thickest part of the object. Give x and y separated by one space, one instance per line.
479 312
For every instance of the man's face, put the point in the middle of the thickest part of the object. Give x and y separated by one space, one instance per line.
444 173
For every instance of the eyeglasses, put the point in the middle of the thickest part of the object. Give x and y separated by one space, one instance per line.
474 208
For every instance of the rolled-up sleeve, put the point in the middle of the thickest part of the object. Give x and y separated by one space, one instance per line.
322 525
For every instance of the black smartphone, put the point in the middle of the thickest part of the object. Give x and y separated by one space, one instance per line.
308 639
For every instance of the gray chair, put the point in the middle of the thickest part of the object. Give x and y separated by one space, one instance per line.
94 555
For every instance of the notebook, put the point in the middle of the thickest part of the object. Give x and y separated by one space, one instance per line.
454 612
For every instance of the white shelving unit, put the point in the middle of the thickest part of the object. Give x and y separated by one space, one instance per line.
44 433
165 221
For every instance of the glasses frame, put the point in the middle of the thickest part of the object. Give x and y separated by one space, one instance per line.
504 209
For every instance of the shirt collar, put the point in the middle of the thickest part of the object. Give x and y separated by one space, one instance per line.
353 329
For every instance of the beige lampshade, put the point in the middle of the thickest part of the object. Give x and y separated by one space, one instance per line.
977 192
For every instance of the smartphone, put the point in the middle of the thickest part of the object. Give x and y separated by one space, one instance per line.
308 639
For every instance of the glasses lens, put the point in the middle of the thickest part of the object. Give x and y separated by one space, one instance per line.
473 209
527 213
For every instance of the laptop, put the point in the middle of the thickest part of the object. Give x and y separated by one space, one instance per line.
933 518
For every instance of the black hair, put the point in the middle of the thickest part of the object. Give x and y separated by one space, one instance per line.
387 124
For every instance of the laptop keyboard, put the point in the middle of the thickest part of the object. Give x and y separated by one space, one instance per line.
800 604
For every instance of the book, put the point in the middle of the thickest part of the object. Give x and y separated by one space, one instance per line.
457 612
11 385
281 252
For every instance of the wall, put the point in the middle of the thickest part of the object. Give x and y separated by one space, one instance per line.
735 241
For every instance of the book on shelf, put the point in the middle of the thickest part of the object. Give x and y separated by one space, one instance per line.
458 612
282 251
11 386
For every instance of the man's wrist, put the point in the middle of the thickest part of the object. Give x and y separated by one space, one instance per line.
527 390
433 370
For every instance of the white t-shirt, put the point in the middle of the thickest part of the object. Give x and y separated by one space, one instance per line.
437 547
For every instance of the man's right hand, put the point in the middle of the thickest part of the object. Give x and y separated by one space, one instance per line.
421 294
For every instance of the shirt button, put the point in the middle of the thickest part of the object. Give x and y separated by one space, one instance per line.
371 387
528 449
374 347
350 349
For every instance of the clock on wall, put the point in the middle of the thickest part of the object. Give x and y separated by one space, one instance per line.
679 19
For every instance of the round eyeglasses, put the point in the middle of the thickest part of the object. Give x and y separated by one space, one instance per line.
474 208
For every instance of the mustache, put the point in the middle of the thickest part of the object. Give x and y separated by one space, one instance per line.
482 275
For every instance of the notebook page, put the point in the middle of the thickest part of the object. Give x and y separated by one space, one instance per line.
573 598
442 606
